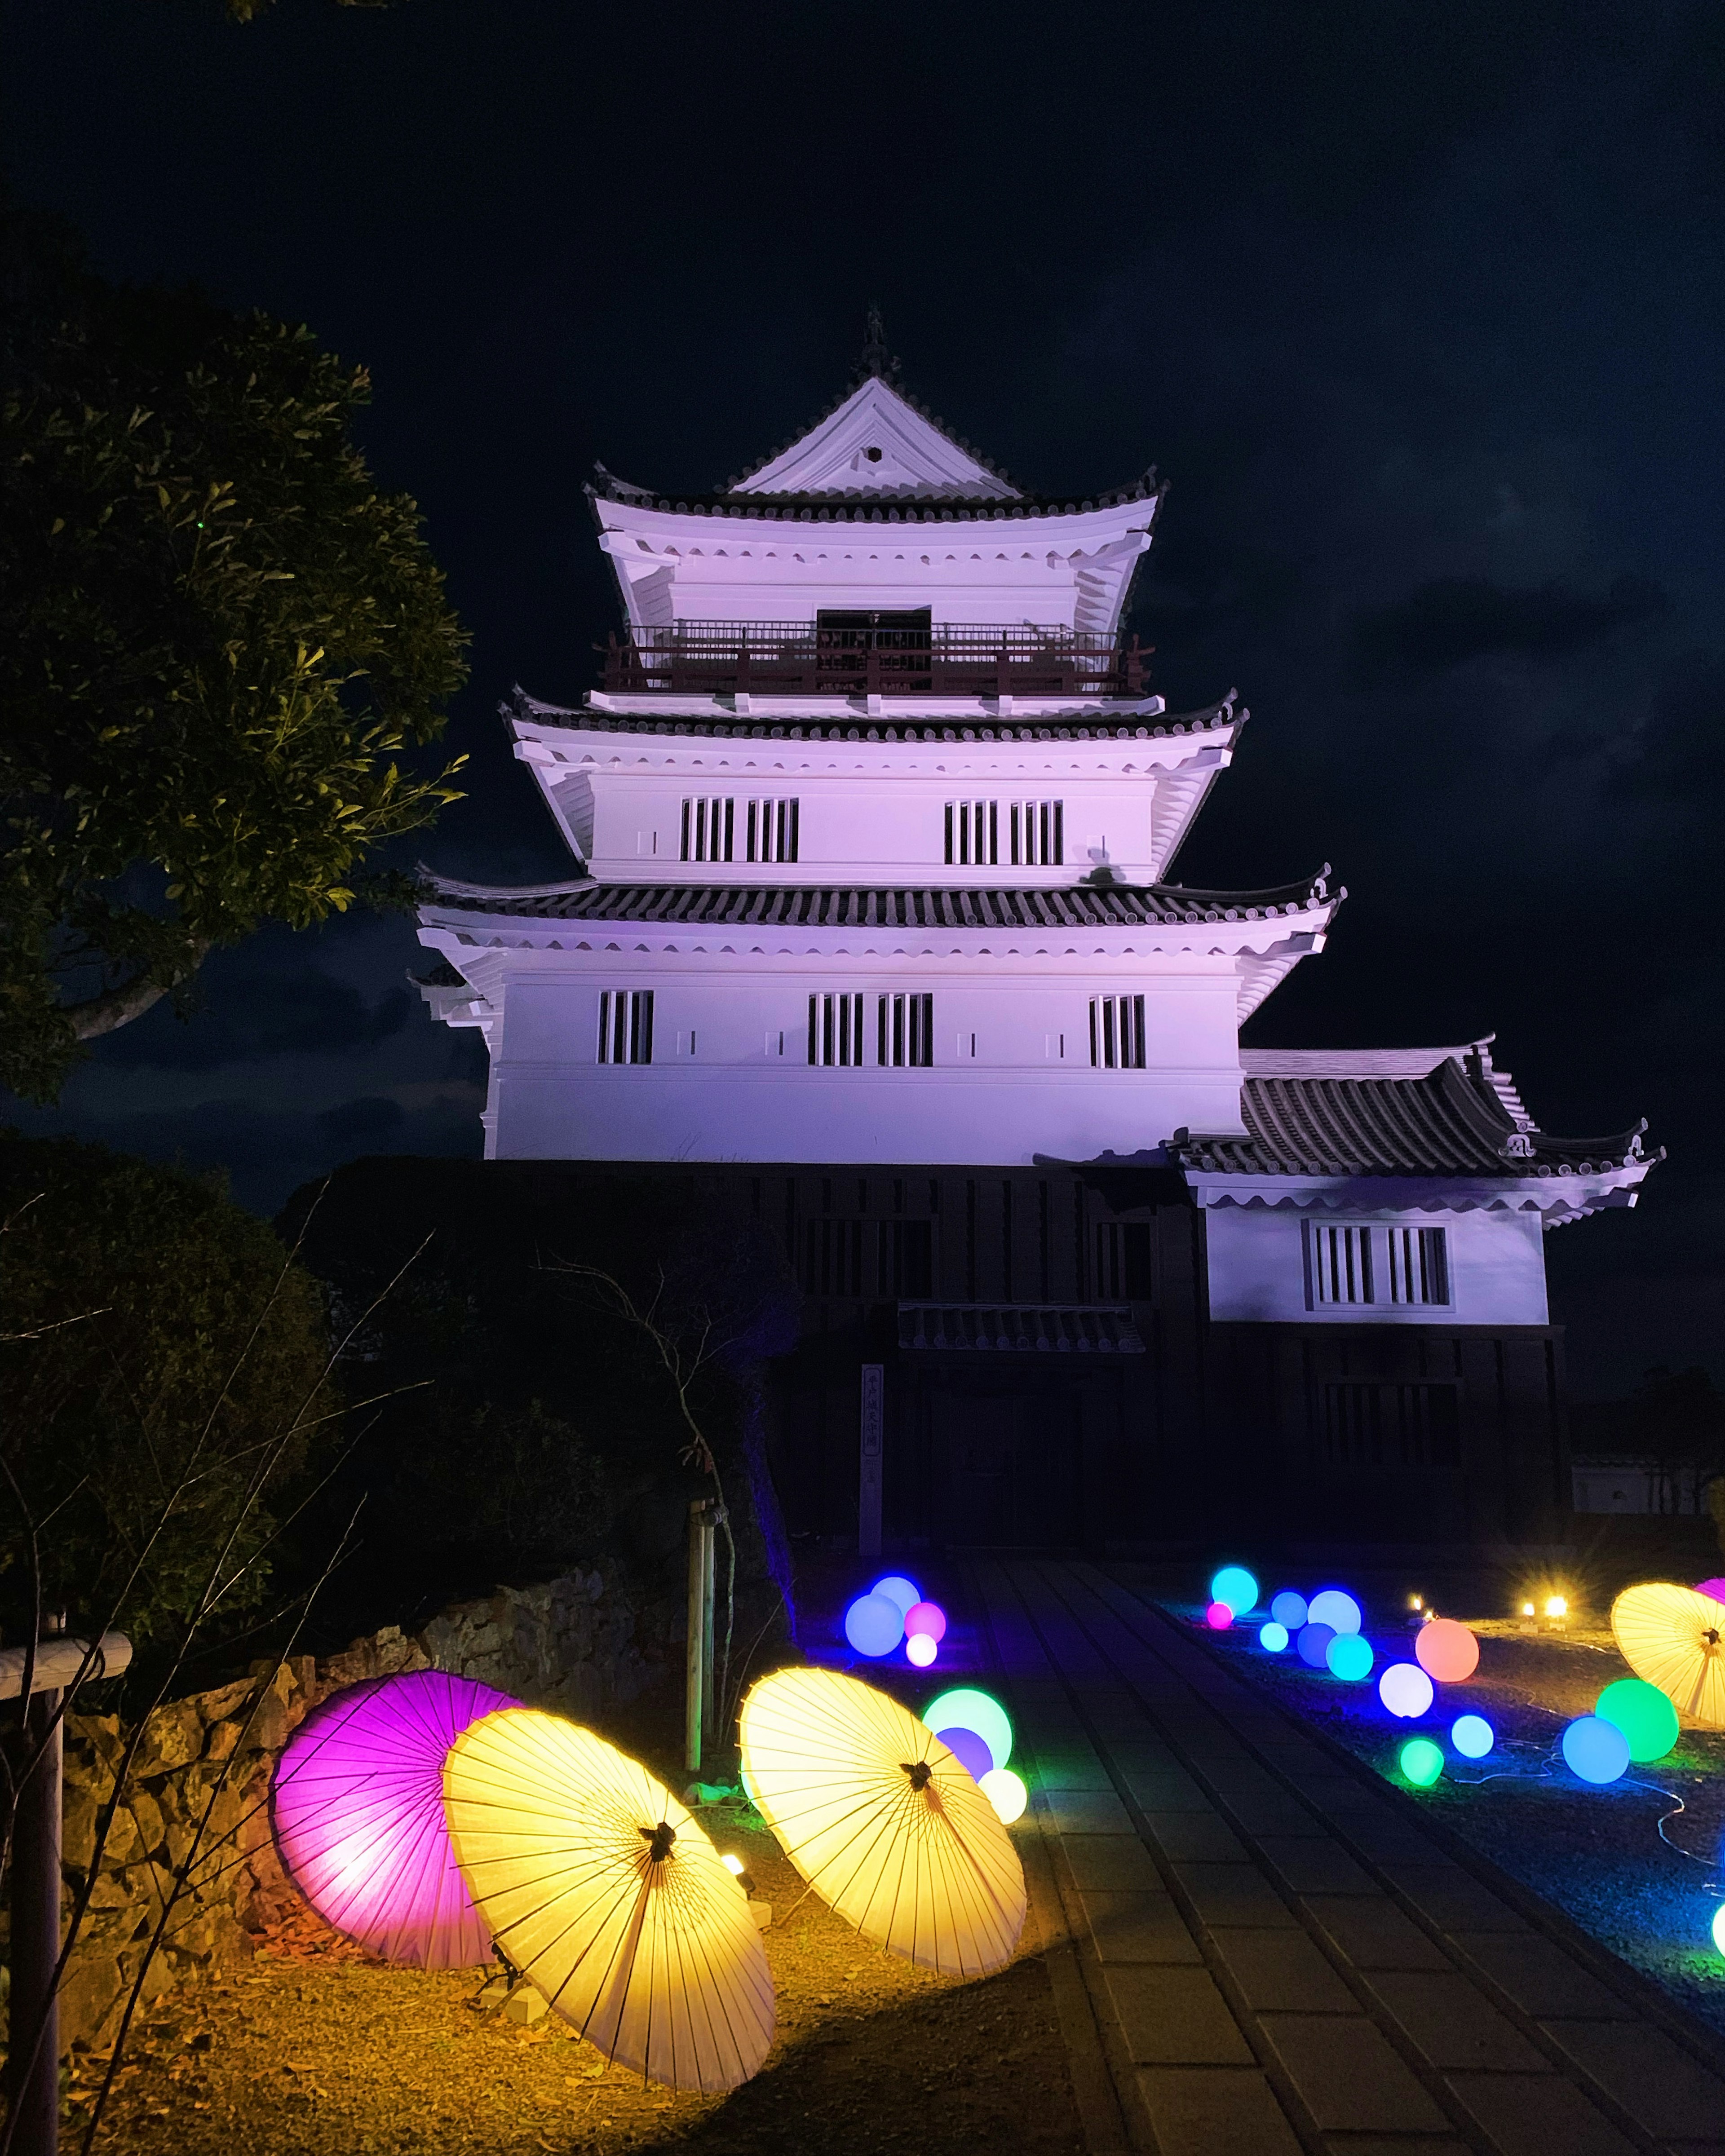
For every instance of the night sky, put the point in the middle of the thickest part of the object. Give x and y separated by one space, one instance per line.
1419 308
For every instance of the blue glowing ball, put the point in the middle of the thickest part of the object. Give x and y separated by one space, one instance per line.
1289 1608
874 1625
1339 1611
1349 1657
1274 1636
1473 1735
1314 1644
903 1594
1406 1690
1235 1585
1597 1751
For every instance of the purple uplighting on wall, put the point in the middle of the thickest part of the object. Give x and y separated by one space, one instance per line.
358 1811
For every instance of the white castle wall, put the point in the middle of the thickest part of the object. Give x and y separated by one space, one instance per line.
1257 1269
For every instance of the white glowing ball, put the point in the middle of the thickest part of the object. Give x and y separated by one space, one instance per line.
1406 1690
1006 1792
921 1649
733 1862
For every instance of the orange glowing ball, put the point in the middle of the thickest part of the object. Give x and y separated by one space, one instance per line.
1446 1650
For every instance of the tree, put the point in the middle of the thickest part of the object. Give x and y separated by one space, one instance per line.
165 1373
218 643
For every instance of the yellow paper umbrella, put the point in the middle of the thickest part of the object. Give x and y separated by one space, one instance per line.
1674 1638
883 1821
601 1888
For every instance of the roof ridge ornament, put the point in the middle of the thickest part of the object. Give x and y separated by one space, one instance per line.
874 359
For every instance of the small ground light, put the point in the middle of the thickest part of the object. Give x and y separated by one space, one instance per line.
1528 1610
1235 1586
1349 1657
1289 1608
1219 1616
1595 1751
1558 1606
1415 1602
1006 1792
1473 1735
732 1863
1421 1762
920 1650
1406 1690
1273 1637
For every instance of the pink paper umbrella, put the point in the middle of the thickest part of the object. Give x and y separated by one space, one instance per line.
358 1804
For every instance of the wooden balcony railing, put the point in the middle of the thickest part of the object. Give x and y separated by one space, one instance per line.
797 659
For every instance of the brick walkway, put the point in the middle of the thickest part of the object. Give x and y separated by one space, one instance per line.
1265 1951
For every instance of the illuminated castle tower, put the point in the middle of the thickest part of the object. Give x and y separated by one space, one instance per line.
873 820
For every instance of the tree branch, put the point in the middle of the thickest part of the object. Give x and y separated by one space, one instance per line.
116 1007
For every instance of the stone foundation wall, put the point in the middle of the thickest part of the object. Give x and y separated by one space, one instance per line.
195 1810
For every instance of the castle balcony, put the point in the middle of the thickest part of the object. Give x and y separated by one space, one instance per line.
871 656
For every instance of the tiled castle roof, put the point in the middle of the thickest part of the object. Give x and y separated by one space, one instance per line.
1451 1122
873 506
854 726
712 905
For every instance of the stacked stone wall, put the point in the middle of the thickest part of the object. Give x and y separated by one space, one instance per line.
194 1814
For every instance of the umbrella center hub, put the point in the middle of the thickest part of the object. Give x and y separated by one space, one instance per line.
920 1772
659 1840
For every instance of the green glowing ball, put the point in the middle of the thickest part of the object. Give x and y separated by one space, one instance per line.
1421 1762
968 1709
1643 1713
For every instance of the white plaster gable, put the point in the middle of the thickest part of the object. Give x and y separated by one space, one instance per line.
910 456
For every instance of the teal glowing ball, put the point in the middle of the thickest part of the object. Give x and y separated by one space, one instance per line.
1421 1762
1349 1657
1596 1751
1643 1714
1235 1585
1273 1637
1472 1736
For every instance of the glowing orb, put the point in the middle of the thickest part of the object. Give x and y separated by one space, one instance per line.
968 1749
1406 1690
966 1708
732 1863
1719 1913
1446 1650
358 1806
1219 1616
1421 1762
874 1625
903 1594
1641 1711
1235 1585
1314 1644
1006 1793
925 1620
1289 1608
1339 1611
1349 1657
1273 1637
1597 1751
920 1650
1473 1735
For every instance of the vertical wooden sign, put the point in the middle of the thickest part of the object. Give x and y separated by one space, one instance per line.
868 1496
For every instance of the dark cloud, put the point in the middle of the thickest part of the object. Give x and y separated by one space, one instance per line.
1679 755
362 1123
300 1010
1446 623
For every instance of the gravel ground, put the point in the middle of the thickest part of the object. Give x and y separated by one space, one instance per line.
1597 1853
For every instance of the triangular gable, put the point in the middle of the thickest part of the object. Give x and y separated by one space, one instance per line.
914 457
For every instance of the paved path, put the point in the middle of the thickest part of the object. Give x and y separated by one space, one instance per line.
1266 1950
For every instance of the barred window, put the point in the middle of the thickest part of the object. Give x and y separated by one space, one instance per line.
835 1029
1123 1260
772 831
833 1258
1338 1265
1117 1033
905 1026
906 1259
709 827
1039 834
1418 1266
626 1025
973 833
1389 1426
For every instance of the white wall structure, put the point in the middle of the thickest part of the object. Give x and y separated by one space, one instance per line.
873 819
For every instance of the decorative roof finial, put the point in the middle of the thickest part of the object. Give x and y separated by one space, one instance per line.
877 359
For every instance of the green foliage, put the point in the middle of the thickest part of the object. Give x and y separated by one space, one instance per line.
218 644
164 1370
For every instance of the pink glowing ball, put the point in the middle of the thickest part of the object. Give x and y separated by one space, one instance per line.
1446 1650
358 1811
1219 1616
921 1649
928 1619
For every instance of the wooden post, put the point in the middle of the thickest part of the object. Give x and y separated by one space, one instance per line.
33 2066
695 1653
709 1631
872 1448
